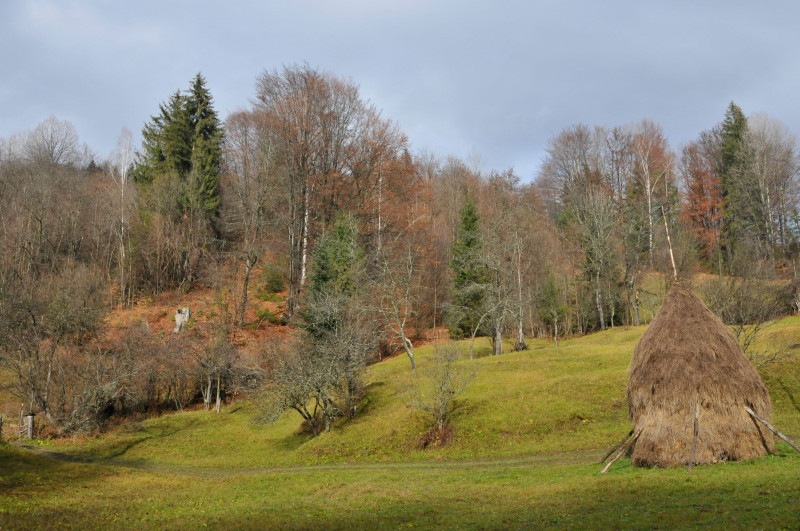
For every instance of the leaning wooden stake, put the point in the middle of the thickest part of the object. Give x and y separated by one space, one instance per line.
696 431
622 451
616 447
771 427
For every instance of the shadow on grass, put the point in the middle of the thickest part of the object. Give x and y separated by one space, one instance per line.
23 470
791 396
114 449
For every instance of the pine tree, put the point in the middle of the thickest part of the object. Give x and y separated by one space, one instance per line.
469 273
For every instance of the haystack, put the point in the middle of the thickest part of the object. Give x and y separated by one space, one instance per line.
689 375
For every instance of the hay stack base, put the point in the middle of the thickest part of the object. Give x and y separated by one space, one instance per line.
689 365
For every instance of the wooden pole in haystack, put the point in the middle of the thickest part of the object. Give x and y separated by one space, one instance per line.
771 427
616 447
696 432
622 451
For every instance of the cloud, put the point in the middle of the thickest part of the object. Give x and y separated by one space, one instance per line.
77 23
365 9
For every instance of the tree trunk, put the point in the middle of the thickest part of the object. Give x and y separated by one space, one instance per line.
304 240
649 193
555 331
409 351
520 344
249 263
475 333
599 300
207 394
219 401
498 338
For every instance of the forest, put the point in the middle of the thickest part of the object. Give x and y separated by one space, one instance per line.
309 197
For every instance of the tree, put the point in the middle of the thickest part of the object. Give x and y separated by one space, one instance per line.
597 224
565 169
703 204
652 165
764 176
334 322
395 285
732 131
551 310
206 151
40 319
296 380
436 390
322 377
166 143
54 142
120 170
184 143
469 274
334 150
178 171
502 255
254 187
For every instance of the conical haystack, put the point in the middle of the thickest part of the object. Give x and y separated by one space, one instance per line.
689 358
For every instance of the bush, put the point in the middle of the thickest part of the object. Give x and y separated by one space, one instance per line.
273 278
264 314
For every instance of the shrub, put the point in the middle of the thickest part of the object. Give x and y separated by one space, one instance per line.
273 278
264 314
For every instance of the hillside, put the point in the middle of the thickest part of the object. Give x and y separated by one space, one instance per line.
528 434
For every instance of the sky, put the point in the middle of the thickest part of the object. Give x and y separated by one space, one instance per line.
488 81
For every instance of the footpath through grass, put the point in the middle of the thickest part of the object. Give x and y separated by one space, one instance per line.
528 435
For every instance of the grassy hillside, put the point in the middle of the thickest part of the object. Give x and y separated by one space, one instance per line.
528 434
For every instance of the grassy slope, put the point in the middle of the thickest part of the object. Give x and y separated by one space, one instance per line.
528 434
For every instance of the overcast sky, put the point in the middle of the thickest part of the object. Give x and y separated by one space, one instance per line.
496 79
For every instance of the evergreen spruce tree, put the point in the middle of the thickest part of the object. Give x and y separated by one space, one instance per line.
730 172
206 149
339 337
184 142
336 267
469 274
166 143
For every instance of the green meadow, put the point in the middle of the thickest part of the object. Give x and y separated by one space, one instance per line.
528 436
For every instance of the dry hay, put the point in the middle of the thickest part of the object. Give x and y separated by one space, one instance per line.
688 355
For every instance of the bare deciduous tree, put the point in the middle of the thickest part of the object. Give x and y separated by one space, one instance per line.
250 161
435 388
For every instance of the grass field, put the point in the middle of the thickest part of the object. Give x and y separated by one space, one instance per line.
528 436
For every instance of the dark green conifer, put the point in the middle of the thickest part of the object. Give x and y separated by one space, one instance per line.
184 142
206 149
469 273
734 190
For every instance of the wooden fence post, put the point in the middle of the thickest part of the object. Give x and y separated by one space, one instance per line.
29 425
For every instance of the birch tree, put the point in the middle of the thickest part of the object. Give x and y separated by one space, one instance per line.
120 170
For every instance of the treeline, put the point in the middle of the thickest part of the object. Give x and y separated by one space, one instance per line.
375 245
